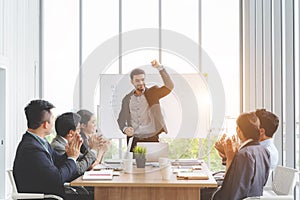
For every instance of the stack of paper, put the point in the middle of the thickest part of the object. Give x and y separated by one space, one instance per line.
192 175
98 175
186 162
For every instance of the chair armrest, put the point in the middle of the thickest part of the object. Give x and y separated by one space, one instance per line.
35 196
82 190
219 172
51 196
76 189
27 196
282 197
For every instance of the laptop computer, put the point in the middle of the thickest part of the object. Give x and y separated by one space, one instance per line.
155 150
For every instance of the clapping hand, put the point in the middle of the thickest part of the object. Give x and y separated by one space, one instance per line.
231 148
73 147
227 147
219 145
98 143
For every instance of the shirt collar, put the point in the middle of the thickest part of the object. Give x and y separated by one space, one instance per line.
267 141
245 143
64 139
41 140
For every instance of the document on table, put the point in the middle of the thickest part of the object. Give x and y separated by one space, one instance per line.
98 175
192 176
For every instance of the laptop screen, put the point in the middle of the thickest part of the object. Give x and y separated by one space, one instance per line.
155 150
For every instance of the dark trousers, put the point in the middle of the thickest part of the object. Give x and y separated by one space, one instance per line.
87 193
206 193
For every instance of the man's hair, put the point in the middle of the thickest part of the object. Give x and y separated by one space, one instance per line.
136 71
249 125
66 122
37 112
85 116
268 121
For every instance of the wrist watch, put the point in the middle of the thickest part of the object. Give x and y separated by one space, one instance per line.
160 67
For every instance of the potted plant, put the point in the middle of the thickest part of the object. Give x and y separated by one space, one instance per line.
140 156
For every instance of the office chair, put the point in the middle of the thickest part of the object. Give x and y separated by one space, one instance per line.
15 195
282 187
78 190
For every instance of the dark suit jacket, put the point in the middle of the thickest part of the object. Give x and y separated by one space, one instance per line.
247 174
153 95
84 161
37 171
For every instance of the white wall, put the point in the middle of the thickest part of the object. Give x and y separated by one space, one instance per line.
19 43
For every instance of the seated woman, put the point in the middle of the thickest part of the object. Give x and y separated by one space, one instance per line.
88 134
248 166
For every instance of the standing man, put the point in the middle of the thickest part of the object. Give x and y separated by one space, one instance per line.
37 167
140 116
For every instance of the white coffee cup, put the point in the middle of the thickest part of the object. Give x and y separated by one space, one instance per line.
165 168
128 155
163 161
127 165
166 172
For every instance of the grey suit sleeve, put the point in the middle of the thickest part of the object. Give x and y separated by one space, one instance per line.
58 147
124 113
85 161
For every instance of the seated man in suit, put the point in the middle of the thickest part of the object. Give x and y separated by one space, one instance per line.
37 167
268 125
67 126
247 168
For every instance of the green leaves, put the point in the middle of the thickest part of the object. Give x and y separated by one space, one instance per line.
139 150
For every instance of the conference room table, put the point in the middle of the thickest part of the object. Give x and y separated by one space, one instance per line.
147 184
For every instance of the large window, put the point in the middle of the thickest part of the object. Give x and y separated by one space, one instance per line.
297 88
271 69
72 30
61 52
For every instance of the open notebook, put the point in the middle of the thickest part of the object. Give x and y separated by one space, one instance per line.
98 175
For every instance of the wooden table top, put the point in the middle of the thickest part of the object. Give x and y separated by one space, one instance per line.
147 177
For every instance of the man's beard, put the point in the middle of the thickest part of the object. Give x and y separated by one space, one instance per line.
140 88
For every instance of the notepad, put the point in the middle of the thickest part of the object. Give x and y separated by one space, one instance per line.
98 175
192 176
